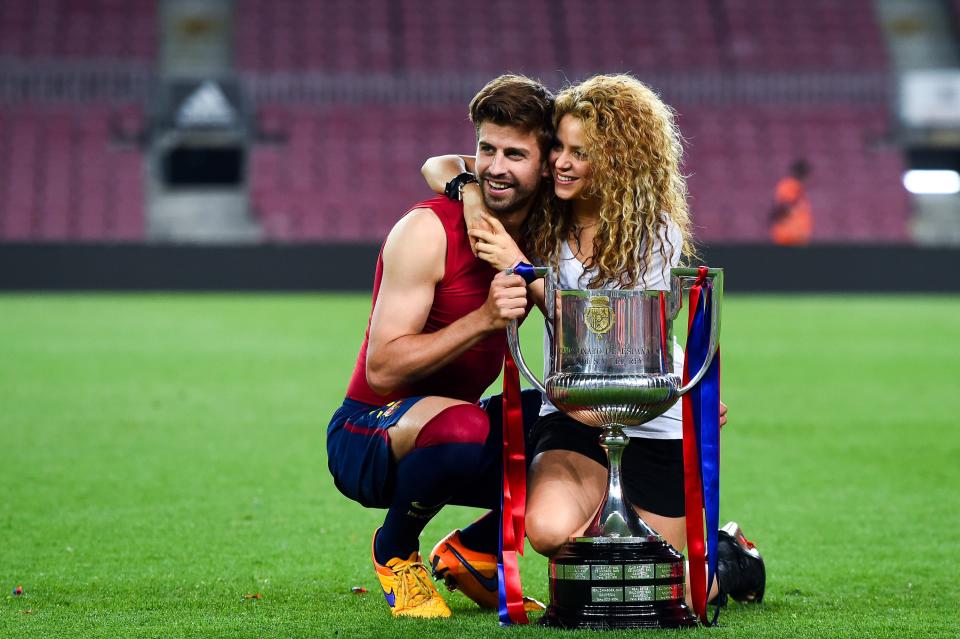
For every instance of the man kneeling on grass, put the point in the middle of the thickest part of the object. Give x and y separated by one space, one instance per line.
411 436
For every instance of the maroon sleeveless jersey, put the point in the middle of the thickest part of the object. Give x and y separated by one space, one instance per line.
464 288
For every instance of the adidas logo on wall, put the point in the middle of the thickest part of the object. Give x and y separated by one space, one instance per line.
205 107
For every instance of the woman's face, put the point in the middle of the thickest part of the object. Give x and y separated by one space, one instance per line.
569 162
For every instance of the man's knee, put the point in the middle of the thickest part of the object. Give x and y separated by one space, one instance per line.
457 424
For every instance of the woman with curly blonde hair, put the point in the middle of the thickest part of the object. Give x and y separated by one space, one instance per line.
617 180
618 219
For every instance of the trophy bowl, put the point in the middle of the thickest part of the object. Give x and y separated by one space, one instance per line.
598 400
610 365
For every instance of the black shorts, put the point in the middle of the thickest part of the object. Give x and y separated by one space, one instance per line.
652 468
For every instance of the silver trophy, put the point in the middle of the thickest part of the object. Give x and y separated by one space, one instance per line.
611 366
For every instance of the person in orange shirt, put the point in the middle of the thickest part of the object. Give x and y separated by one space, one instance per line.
791 221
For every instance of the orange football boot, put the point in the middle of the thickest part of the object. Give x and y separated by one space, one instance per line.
471 572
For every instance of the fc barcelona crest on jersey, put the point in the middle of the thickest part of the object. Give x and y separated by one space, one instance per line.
598 316
390 408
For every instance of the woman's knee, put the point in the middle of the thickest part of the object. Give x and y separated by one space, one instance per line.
672 529
547 533
565 488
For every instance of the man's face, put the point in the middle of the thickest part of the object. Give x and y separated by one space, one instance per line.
509 167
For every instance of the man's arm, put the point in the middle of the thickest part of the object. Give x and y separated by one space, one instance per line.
413 262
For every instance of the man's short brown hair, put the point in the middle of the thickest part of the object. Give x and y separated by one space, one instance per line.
516 100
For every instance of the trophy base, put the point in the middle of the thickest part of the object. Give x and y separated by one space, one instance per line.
626 582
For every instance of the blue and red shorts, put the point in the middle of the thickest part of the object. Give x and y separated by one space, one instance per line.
358 444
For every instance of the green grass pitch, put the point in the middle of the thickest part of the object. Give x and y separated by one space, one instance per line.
162 458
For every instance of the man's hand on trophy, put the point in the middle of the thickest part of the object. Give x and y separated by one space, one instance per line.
723 414
507 300
495 246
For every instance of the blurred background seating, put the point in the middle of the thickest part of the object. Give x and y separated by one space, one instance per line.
347 98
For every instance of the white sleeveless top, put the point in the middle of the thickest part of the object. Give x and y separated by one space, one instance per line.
656 278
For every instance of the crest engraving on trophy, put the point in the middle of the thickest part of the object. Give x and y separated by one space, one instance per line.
598 317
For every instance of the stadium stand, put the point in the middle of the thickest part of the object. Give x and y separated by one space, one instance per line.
613 36
305 191
62 179
804 35
78 29
343 171
735 157
434 36
854 190
349 173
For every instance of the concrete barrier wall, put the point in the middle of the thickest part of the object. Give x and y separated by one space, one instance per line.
341 267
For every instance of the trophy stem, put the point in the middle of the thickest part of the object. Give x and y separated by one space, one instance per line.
616 516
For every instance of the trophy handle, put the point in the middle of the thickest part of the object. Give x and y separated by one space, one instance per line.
683 278
513 335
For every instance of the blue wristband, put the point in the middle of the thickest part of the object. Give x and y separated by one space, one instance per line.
526 271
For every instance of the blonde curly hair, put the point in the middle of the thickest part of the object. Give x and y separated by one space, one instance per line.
635 150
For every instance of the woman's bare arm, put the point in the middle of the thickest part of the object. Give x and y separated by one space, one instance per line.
440 169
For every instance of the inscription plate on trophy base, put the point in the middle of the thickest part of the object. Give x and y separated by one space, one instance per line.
606 595
626 585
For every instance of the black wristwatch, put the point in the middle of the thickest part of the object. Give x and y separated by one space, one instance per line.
454 188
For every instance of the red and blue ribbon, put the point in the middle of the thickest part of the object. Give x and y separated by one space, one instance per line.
701 448
513 501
